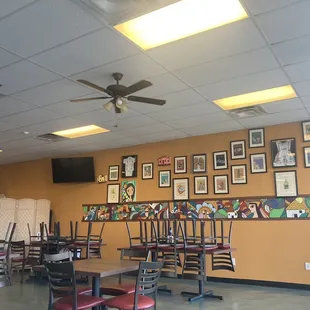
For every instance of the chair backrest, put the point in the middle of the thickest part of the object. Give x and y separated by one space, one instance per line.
148 276
58 258
8 232
8 241
132 239
62 279
18 247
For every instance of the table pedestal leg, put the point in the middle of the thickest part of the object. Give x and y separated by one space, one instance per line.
96 289
164 289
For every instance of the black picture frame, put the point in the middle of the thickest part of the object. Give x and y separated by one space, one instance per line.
133 165
214 184
233 145
180 171
173 189
215 160
304 128
253 131
197 191
160 185
288 152
279 195
259 170
109 177
194 168
152 171
306 162
233 181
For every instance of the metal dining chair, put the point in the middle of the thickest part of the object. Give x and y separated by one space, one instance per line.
62 279
146 284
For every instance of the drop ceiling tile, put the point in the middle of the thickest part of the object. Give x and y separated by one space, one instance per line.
8 7
56 91
134 68
186 111
97 117
146 130
23 75
26 118
52 125
10 135
162 136
293 51
245 84
200 120
92 50
214 44
306 100
173 100
276 118
298 72
213 128
5 126
43 25
162 84
22 144
284 105
7 58
136 121
263 6
230 67
73 108
9 105
303 88
286 23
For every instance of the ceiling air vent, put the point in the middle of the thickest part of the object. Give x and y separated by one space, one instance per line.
248 112
116 11
49 137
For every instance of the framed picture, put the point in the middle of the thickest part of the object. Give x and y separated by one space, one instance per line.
164 178
220 160
129 166
129 191
201 185
306 130
147 171
283 153
113 173
220 184
258 163
113 193
307 157
256 137
286 183
180 189
180 164
238 174
237 149
199 163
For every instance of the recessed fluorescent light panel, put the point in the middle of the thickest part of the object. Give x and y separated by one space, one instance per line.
180 20
0 151
258 97
81 132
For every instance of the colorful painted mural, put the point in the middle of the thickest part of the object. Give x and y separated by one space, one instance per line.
202 209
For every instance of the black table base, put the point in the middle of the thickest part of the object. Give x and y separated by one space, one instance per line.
196 296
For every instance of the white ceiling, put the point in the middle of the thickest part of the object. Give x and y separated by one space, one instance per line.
46 45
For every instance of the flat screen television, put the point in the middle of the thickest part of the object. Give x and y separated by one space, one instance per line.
73 170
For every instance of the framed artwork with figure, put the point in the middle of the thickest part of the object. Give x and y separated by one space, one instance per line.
129 166
286 183
283 153
180 164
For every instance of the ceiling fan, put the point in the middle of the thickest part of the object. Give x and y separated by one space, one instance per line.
120 94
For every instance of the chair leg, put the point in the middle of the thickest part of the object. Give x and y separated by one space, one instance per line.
22 271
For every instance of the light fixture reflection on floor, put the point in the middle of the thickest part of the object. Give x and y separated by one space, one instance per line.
180 20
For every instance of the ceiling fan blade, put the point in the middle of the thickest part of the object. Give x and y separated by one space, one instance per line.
88 99
147 100
136 87
90 84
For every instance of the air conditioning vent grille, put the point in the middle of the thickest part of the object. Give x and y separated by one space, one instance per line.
49 137
248 112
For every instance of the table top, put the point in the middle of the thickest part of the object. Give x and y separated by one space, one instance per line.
103 268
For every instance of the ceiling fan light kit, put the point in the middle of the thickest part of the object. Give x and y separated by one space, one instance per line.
119 94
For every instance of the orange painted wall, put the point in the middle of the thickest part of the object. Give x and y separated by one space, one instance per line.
266 250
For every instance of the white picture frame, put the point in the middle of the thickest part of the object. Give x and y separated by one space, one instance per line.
181 189
113 193
286 183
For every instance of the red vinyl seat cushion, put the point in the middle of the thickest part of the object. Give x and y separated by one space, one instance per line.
224 246
80 291
118 289
84 302
200 250
126 302
18 260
